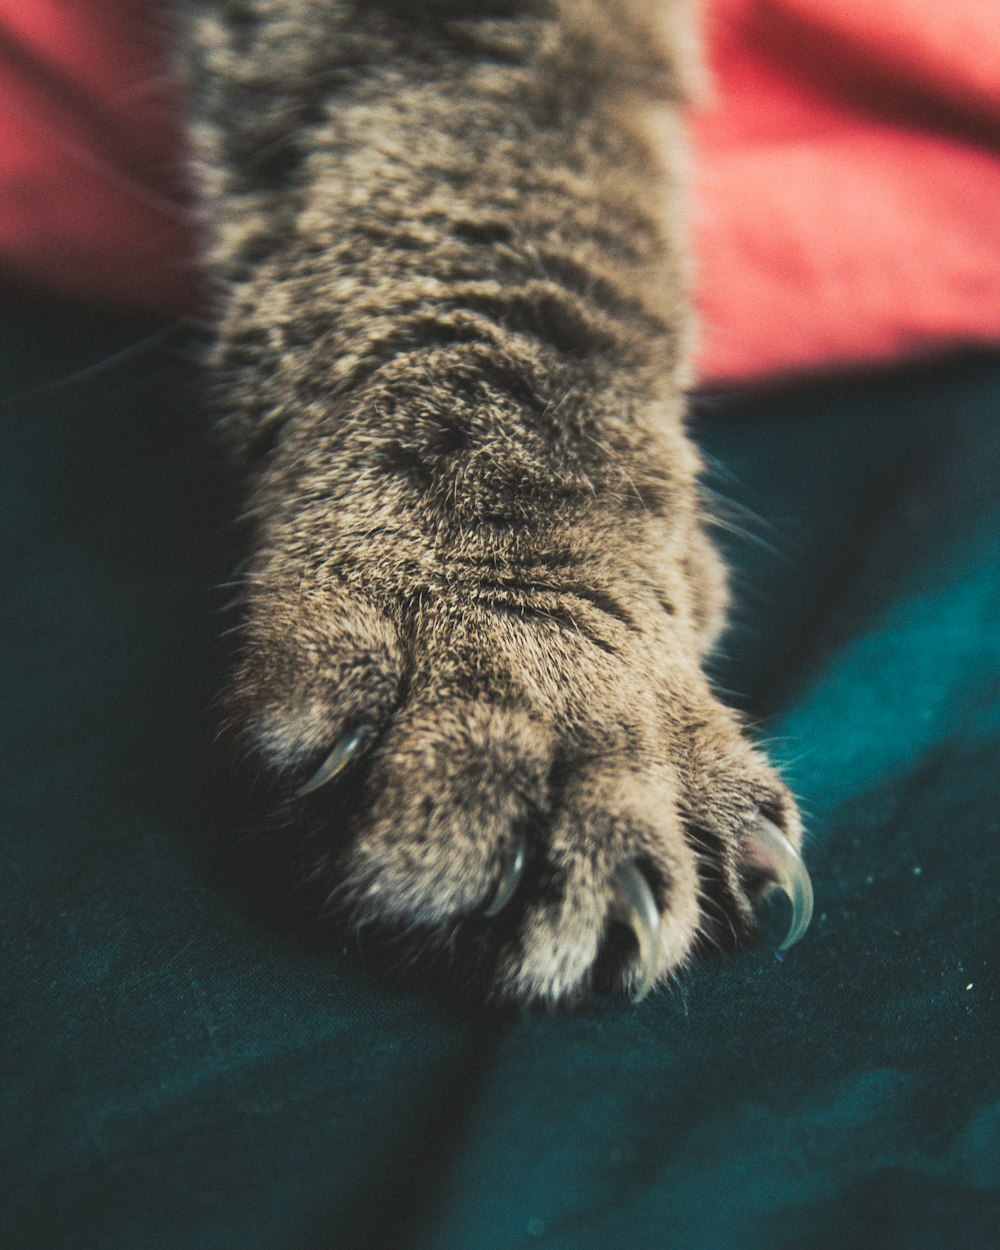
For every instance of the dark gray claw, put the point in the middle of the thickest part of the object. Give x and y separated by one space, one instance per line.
633 905
510 879
338 761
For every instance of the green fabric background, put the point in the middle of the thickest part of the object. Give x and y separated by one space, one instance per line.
186 1066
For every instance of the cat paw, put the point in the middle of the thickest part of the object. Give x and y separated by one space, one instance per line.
539 779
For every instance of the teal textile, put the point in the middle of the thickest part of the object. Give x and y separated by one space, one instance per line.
187 1066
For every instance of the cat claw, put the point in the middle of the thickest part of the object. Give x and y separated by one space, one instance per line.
510 879
783 864
338 761
633 905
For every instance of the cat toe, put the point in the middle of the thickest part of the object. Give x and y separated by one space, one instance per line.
614 901
453 793
320 673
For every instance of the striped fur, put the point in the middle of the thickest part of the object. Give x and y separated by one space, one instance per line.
453 340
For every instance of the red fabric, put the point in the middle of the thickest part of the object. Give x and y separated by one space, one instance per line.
848 182
90 204
848 187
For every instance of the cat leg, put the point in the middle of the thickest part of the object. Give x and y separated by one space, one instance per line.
453 341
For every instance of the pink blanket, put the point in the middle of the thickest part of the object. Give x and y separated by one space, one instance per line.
848 186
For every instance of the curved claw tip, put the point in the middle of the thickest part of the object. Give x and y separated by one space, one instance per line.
789 874
633 905
339 759
510 879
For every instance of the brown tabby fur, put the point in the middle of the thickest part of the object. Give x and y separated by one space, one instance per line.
453 340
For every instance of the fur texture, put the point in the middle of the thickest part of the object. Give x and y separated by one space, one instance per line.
453 340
